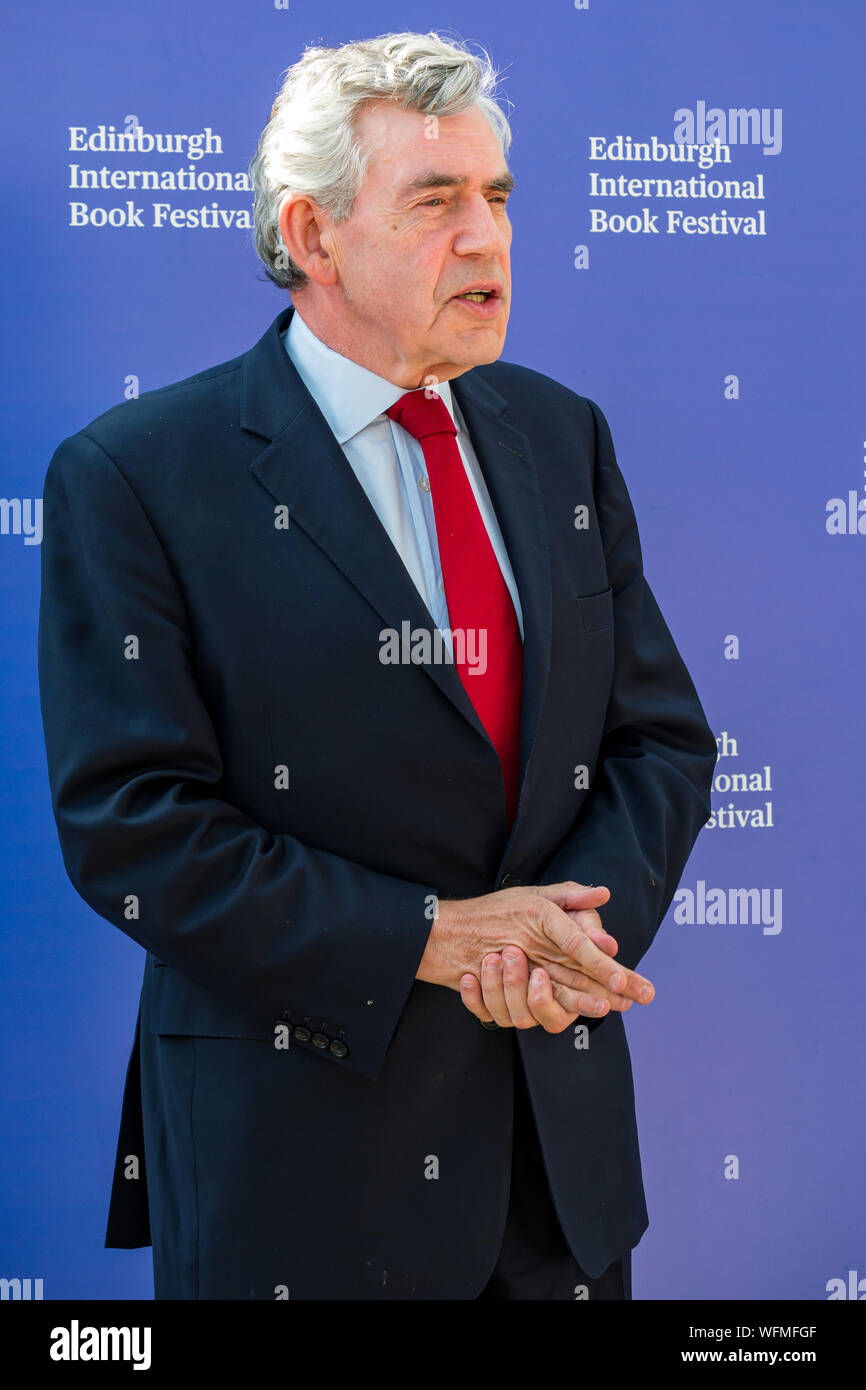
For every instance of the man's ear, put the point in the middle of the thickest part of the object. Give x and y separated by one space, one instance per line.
306 234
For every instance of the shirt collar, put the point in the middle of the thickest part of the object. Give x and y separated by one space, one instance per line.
349 396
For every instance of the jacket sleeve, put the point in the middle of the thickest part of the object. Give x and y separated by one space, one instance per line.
650 793
259 919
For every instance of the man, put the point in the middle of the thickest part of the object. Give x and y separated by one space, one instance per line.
358 707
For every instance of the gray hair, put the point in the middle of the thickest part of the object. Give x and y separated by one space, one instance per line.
310 144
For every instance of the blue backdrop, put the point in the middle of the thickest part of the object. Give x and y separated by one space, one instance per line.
725 356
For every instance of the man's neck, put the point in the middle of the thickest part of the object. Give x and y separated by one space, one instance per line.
334 333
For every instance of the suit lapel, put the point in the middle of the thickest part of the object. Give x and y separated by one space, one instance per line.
304 468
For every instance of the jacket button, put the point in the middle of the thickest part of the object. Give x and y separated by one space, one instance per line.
508 881
338 1048
489 1026
302 1034
319 1040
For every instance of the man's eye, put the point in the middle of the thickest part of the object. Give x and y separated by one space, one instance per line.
497 198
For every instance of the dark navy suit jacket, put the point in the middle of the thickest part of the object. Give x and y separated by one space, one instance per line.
302 1118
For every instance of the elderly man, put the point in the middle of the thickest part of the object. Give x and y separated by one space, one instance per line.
358 708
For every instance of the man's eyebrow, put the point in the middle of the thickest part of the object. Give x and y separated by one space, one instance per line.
435 178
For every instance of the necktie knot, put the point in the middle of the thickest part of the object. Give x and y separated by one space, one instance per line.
422 413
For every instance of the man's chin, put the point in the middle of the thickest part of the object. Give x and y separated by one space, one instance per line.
477 346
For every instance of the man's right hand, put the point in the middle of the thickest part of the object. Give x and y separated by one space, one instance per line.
557 930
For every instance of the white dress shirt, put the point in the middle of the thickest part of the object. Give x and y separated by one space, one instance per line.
389 462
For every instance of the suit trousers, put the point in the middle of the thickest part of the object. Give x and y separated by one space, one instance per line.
535 1261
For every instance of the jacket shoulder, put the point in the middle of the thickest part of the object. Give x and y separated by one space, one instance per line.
525 388
533 396
206 400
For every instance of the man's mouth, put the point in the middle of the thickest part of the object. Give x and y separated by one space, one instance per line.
478 294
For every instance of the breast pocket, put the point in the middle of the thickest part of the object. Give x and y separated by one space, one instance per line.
594 648
595 611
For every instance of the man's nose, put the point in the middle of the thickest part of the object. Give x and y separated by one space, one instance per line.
481 230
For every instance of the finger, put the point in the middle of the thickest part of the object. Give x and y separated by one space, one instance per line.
515 982
576 981
470 993
582 1002
492 989
590 922
632 985
603 939
573 941
547 1010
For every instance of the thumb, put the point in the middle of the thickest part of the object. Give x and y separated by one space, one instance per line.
574 897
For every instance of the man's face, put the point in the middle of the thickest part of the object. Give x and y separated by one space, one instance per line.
428 223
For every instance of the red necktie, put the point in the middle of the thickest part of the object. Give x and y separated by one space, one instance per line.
475 591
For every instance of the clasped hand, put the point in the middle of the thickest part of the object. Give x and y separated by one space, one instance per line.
532 956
